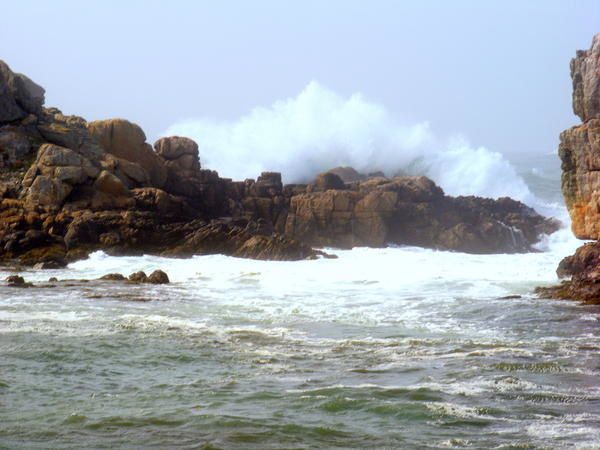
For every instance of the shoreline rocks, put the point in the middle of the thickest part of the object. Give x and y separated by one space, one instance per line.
579 151
69 187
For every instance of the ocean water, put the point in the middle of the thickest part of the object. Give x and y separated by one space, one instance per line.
381 348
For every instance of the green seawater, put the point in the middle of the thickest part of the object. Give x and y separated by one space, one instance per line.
397 348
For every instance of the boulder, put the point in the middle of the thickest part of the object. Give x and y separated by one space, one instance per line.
174 147
127 141
158 277
328 180
110 184
138 277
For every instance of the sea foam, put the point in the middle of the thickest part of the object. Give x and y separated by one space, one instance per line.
320 129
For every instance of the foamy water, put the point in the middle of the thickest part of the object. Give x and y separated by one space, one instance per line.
380 348
400 347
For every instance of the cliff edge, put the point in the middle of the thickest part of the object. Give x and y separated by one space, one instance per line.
579 151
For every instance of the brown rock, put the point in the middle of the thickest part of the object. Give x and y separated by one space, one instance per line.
347 174
413 211
14 147
585 73
174 147
579 151
113 277
15 280
328 180
47 191
158 277
583 268
138 277
126 140
110 184
18 95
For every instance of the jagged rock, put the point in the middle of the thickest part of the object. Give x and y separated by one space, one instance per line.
585 73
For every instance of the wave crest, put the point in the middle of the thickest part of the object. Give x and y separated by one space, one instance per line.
320 129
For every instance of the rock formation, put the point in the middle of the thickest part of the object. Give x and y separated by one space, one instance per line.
579 148
412 211
69 187
579 151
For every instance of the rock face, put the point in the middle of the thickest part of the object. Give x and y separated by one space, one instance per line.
69 187
585 73
579 151
413 211
19 96
579 148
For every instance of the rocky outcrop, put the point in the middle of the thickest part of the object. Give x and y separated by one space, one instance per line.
19 96
585 73
583 271
127 141
579 148
69 187
579 151
413 211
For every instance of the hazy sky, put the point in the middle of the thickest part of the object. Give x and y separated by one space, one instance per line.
497 71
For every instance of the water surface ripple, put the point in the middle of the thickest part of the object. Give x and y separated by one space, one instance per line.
389 348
